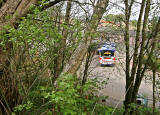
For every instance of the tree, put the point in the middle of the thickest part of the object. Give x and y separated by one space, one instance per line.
12 16
109 17
154 65
11 12
61 58
81 51
12 9
117 19
135 76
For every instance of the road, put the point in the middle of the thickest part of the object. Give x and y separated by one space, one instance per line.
115 77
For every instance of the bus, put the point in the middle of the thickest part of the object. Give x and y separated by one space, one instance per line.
107 54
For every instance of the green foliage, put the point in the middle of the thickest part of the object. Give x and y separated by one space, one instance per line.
68 97
133 24
154 61
35 47
152 23
115 23
115 18
26 106
135 110
142 110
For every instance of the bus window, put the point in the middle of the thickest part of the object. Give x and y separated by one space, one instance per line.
107 53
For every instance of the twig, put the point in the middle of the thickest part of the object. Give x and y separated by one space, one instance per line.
120 100
96 102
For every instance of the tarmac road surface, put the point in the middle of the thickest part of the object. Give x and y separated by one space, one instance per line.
115 77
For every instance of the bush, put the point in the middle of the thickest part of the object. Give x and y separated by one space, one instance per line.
67 97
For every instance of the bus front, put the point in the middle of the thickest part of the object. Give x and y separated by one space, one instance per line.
107 57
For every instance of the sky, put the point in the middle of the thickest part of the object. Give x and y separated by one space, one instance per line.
119 8
114 7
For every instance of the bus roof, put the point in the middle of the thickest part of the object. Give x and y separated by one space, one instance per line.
109 48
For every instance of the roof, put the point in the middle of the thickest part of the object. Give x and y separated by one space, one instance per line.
107 47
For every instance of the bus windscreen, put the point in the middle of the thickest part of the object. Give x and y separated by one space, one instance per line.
107 53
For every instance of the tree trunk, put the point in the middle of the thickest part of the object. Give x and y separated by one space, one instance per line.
79 54
10 12
14 9
129 83
137 40
9 96
61 56
154 77
140 73
89 57
141 69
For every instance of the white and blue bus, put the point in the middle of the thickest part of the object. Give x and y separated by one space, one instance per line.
107 54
